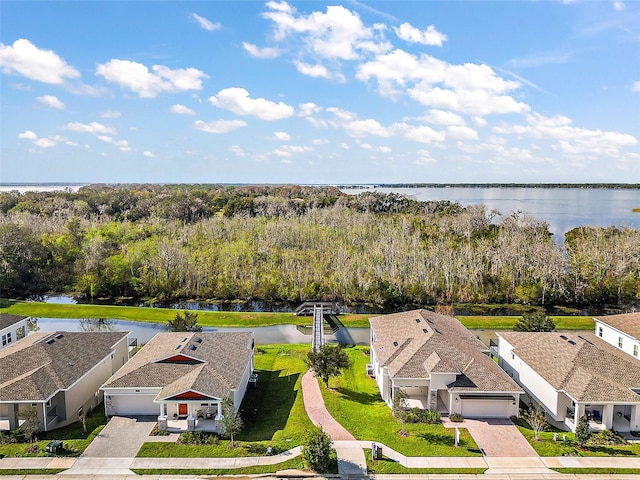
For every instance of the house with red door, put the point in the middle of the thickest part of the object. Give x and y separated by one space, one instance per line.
183 378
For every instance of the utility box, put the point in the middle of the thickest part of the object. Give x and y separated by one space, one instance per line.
55 446
376 452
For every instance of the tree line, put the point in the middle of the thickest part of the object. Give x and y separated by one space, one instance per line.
289 243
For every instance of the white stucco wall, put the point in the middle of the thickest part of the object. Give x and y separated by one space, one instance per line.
612 336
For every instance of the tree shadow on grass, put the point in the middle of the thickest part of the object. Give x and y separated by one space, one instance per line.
266 408
360 397
437 438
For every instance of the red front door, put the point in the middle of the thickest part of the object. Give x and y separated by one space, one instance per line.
182 409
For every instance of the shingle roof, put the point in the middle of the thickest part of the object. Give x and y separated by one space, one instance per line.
628 323
38 365
7 320
589 370
420 342
220 362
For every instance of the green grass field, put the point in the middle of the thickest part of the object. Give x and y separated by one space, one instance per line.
294 463
354 401
386 466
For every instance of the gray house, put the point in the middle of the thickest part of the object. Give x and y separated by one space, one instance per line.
59 374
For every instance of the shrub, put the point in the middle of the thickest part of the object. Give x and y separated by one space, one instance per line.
456 417
316 449
606 437
419 415
198 438
33 448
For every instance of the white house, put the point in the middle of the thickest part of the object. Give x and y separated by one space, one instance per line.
12 329
621 331
183 378
440 365
59 374
570 374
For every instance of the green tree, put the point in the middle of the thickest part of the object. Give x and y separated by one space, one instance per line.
399 408
535 321
327 362
186 322
582 430
232 423
537 419
30 422
316 449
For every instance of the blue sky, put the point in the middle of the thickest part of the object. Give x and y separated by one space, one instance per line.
315 92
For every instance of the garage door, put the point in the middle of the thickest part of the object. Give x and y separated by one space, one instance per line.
486 408
135 405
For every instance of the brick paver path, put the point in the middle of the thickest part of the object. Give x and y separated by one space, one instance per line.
497 437
314 405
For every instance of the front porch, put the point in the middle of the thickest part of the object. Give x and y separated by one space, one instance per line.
188 416
200 425
604 417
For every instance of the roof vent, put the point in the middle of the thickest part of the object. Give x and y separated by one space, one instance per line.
425 330
70 364
50 341
59 336
417 320
395 344
564 337
582 338
192 347
178 347
184 339
198 340
571 342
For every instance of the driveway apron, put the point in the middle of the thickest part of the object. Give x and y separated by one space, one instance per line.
121 437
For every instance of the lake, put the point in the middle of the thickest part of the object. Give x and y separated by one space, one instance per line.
561 208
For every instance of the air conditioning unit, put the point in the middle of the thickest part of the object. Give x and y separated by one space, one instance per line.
370 369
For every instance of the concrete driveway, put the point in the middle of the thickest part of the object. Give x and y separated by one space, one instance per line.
121 437
496 437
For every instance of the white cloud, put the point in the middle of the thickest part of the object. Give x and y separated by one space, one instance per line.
317 70
51 101
384 149
424 158
411 34
148 154
308 109
181 109
123 145
345 146
618 5
442 117
338 34
282 136
636 87
110 114
28 135
45 143
205 23
24 58
219 126
237 150
459 132
237 100
93 127
366 146
264 52
137 77
479 121
319 141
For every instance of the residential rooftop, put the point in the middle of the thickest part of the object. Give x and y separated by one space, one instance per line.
418 343
7 320
586 367
628 323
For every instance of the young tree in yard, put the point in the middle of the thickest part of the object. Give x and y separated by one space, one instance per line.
316 449
582 430
328 362
231 420
536 418
535 321
187 322
399 408
83 418
31 424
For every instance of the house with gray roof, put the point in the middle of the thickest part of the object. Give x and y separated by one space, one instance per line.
440 365
183 378
59 374
570 374
621 331
12 329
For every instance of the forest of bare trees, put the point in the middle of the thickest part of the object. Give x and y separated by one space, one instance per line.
302 243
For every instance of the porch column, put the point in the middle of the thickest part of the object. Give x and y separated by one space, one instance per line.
607 416
634 423
578 412
219 410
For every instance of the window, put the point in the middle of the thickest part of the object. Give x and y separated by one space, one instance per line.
619 342
600 331
4 340
635 350
9 337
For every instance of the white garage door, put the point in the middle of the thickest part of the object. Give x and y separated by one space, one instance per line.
487 408
135 405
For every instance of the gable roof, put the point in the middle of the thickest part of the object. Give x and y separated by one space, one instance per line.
7 320
628 323
419 343
583 365
219 362
39 365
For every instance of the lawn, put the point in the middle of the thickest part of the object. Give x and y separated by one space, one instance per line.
388 466
273 413
31 471
547 447
355 402
506 322
75 441
293 463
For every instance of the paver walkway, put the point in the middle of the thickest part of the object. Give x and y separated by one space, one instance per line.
121 437
496 437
